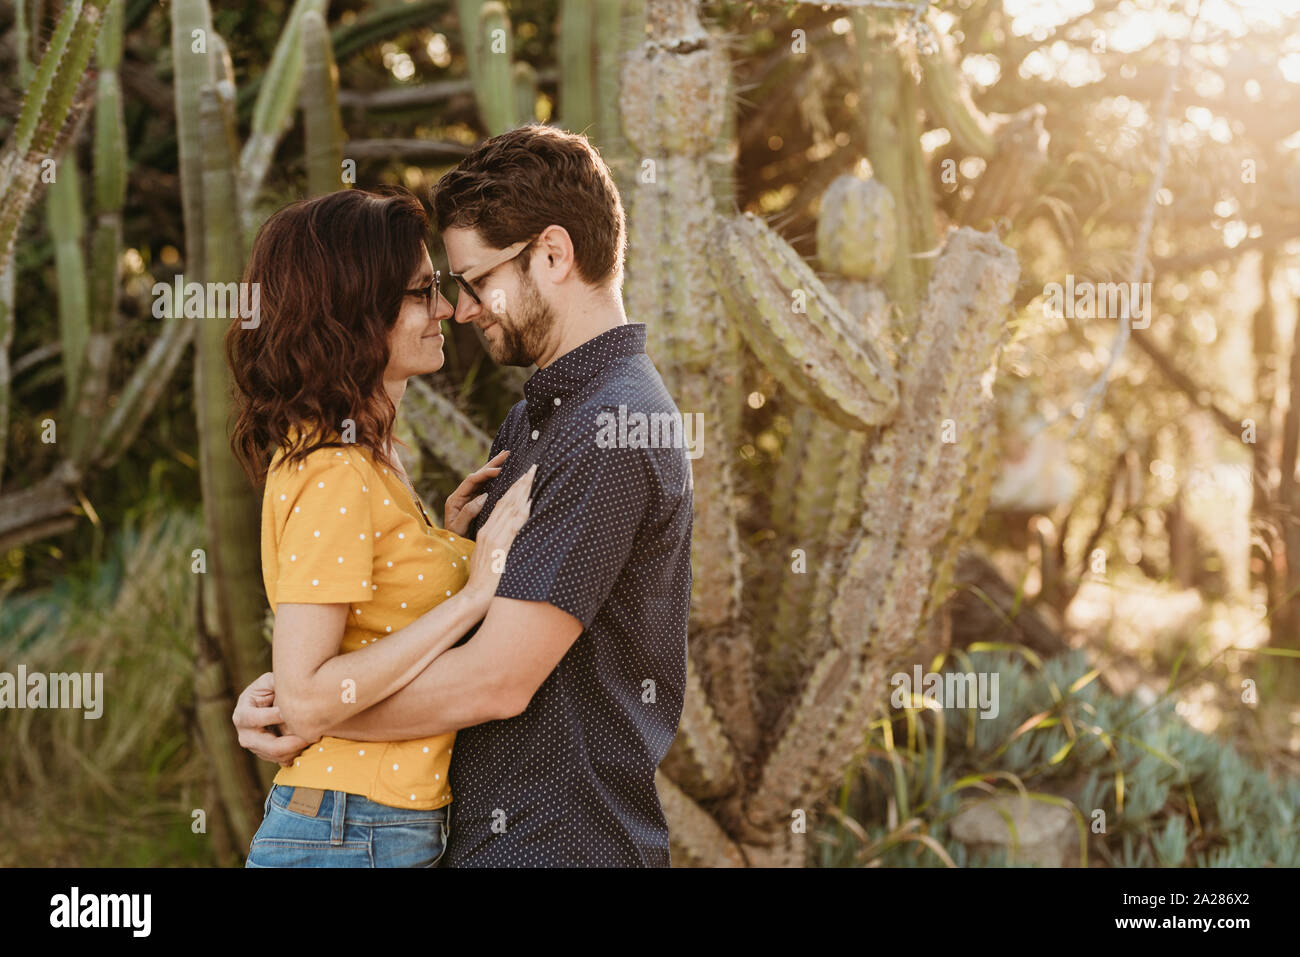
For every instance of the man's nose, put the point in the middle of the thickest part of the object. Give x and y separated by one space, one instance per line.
465 307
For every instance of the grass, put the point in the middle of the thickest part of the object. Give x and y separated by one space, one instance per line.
118 790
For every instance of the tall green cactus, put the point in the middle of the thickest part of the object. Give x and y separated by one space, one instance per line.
908 502
322 125
494 81
68 230
106 239
273 111
578 65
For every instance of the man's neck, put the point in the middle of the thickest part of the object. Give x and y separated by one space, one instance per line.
586 320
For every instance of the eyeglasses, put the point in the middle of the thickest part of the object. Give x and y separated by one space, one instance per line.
513 251
428 294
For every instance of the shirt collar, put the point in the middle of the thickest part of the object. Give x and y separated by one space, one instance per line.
573 370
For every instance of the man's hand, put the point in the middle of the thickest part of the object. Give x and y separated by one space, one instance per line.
259 723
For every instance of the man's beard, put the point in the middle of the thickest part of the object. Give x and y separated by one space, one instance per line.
523 330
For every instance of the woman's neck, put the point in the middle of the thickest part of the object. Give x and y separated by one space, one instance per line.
396 388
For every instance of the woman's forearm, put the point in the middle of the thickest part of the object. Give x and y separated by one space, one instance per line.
345 684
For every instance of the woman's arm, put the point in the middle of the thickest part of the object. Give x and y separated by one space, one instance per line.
317 688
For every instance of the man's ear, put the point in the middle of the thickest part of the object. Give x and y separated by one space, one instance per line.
558 243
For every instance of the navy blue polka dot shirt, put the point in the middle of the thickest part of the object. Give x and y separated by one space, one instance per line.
570 781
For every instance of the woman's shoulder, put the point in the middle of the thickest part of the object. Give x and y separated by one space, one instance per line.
343 460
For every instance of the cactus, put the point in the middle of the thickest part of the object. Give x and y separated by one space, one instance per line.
6 340
799 331
273 111
577 65
45 113
443 429
857 229
494 74
322 125
948 97
218 190
525 85
67 229
106 240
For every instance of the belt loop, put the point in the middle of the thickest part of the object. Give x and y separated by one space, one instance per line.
336 825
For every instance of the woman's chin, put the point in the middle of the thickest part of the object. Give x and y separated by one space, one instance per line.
436 360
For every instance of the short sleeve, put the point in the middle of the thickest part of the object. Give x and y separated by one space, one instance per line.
324 546
588 506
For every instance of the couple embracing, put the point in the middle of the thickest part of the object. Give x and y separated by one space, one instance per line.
472 694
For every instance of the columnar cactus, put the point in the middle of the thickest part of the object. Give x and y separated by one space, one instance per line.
884 462
673 95
321 123
45 113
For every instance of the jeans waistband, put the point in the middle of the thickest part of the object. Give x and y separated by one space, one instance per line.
340 806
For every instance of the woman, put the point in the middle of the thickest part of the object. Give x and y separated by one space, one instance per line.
366 591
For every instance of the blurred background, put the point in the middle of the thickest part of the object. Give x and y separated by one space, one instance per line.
1000 474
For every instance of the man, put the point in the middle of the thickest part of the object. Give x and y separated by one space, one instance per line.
583 648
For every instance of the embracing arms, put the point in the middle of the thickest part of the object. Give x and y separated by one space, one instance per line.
493 675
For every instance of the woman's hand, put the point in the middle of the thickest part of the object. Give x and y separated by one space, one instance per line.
465 503
495 537
261 726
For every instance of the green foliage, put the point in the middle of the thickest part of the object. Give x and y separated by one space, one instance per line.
1172 796
68 779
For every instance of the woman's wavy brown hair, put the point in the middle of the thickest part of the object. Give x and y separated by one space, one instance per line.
332 272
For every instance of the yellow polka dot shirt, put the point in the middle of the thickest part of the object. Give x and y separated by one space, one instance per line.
339 527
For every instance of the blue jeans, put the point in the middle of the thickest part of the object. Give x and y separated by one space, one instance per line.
347 830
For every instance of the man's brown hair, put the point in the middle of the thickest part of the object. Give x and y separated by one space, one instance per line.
516 184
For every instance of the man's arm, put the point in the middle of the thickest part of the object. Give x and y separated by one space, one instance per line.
588 505
492 676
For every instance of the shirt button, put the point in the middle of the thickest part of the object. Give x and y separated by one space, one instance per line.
535 433
557 400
